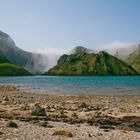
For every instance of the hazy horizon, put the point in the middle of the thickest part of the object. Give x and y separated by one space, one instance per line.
58 26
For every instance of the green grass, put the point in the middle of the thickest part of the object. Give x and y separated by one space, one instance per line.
8 69
134 60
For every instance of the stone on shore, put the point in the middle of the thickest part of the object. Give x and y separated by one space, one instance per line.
5 98
82 105
63 133
11 124
1 133
38 111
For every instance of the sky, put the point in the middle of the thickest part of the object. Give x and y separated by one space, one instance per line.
56 25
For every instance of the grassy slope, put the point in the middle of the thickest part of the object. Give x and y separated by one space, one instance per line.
18 56
91 64
134 60
8 69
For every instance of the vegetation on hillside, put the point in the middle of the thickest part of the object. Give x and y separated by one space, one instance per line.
91 64
8 69
134 59
32 62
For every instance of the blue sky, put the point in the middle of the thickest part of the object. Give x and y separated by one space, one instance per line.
41 24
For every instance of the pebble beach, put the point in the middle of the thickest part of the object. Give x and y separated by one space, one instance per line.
36 116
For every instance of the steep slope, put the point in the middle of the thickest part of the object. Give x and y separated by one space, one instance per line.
30 61
8 69
91 64
3 59
134 59
129 54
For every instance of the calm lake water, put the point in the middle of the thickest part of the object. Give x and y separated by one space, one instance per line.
83 85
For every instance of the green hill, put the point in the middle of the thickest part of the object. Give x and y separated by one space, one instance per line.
33 62
134 59
8 69
83 63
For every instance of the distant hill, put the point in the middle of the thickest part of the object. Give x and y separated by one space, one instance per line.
83 63
134 59
39 63
30 61
130 54
122 52
7 69
80 49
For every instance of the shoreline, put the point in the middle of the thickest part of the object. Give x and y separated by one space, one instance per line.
18 87
80 117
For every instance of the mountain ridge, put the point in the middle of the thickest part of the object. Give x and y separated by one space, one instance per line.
28 60
39 63
83 63
134 59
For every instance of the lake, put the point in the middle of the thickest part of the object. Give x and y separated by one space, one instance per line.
77 85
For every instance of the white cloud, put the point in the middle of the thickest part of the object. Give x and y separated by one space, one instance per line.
53 51
115 45
51 55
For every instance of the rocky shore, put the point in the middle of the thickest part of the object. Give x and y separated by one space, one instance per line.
32 116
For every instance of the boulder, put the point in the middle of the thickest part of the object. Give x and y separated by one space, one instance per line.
5 98
63 133
38 111
1 133
11 124
82 105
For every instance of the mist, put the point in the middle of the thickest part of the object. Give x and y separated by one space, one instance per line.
120 49
117 45
42 60
47 58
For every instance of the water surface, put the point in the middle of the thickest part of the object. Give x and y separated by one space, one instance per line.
75 85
